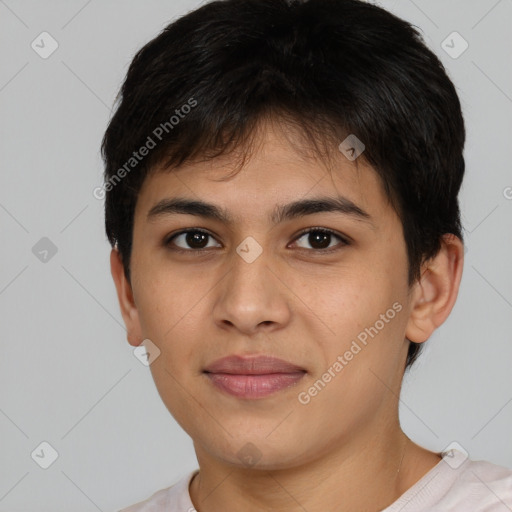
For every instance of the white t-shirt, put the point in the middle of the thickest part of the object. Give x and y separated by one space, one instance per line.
455 484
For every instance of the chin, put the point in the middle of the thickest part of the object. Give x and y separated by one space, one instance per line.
257 453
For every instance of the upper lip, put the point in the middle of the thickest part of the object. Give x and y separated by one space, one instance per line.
259 365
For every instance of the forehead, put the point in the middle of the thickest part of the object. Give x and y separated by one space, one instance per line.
278 169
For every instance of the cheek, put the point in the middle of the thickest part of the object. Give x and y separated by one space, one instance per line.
366 362
163 297
349 300
364 312
171 305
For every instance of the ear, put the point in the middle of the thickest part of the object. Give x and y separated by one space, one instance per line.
436 290
126 301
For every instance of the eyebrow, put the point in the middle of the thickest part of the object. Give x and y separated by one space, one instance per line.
300 208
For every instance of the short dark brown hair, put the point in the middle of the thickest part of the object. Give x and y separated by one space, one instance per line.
329 67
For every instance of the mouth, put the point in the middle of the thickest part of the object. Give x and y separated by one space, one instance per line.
253 377
255 365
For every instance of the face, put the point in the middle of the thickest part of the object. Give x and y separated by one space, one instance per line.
323 289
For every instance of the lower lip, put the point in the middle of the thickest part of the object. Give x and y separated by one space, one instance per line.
254 386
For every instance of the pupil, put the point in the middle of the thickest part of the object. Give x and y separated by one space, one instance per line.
313 238
196 236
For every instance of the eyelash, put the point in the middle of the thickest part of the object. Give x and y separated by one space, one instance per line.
344 240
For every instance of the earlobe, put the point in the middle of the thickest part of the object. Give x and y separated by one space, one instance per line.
126 301
435 292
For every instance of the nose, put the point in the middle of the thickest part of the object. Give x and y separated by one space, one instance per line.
252 296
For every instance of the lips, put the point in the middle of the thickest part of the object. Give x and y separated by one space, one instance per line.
253 377
259 365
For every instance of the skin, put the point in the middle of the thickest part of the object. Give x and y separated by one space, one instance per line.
343 449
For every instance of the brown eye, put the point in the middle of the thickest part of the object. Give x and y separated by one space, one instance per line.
191 240
320 239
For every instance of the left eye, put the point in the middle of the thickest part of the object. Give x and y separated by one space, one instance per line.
321 237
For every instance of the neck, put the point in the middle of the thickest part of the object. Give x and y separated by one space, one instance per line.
369 473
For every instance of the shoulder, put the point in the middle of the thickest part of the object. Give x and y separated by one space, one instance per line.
173 498
484 484
155 503
459 484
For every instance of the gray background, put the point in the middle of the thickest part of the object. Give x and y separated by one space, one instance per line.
68 375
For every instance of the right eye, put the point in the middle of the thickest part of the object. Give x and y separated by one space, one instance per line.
195 238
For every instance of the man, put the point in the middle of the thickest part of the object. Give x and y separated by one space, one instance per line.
282 182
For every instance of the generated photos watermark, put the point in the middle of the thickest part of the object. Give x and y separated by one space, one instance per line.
151 142
355 348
